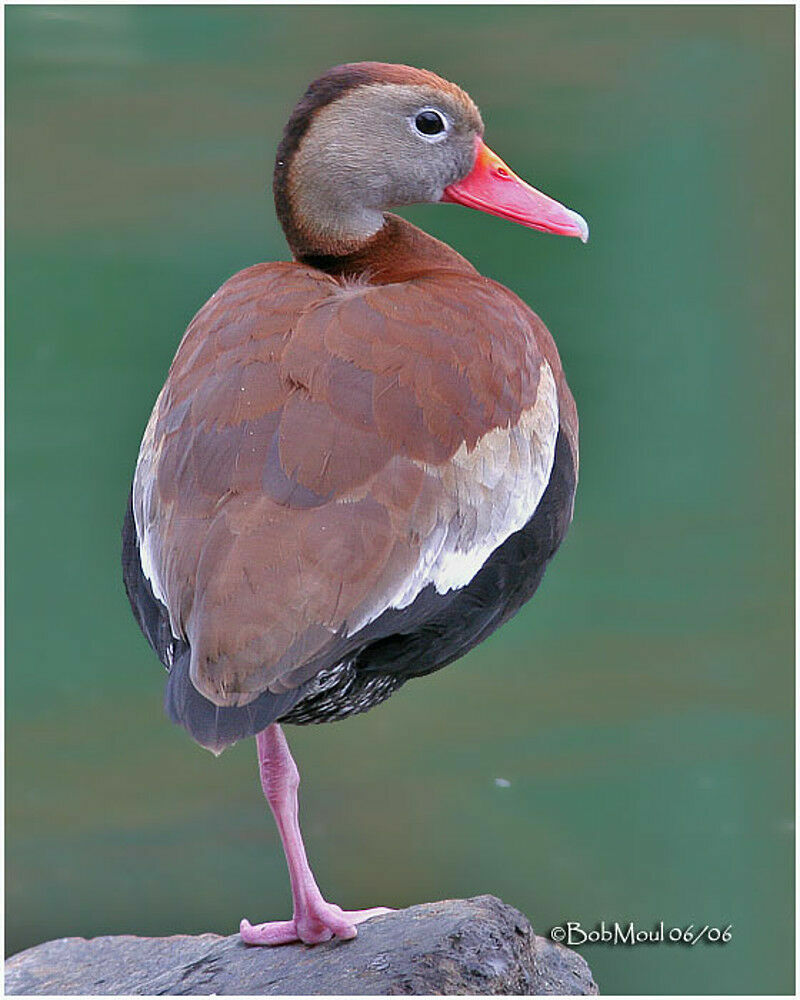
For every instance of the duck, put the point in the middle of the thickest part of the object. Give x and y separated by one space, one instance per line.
362 460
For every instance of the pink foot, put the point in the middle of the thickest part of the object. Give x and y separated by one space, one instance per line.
314 920
321 922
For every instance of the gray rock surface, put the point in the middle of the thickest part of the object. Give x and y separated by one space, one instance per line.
478 945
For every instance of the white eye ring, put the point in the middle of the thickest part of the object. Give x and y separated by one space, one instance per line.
429 117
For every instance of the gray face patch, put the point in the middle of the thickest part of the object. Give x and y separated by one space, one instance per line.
363 155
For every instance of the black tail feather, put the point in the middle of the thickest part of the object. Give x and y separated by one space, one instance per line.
215 727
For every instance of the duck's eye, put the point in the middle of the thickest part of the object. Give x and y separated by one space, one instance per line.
429 123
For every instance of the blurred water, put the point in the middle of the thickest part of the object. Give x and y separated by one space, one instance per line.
641 706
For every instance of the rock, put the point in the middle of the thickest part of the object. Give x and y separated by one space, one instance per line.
477 946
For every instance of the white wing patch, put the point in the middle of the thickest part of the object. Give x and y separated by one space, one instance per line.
494 488
143 512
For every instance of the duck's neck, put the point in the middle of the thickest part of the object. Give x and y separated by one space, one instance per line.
319 214
327 228
396 252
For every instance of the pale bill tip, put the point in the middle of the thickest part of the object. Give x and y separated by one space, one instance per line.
583 226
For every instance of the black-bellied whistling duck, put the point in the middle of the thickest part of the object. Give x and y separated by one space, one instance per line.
362 461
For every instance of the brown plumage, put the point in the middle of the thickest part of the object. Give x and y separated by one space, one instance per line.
361 461
298 405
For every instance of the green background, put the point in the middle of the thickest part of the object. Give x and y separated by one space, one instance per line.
641 706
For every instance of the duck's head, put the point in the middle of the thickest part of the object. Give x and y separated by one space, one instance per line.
367 137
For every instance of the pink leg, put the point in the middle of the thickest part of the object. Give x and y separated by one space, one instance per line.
314 920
